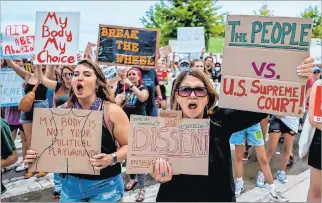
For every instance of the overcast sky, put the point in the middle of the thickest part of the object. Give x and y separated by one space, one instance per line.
127 13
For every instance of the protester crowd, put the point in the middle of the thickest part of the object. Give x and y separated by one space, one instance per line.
186 85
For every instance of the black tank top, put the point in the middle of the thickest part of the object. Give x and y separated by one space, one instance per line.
41 91
108 147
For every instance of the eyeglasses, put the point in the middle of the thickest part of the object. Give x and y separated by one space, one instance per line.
316 72
68 74
185 91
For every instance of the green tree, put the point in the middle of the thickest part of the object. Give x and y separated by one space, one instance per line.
264 11
169 15
315 14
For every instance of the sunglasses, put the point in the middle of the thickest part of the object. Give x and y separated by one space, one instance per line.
68 74
316 72
185 91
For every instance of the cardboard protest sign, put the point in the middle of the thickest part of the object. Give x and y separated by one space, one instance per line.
260 58
57 36
17 41
109 71
65 139
318 104
11 87
184 142
127 46
170 113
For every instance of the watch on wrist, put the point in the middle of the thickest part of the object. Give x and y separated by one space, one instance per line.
114 159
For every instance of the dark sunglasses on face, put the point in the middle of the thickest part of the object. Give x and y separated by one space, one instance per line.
316 72
68 74
185 91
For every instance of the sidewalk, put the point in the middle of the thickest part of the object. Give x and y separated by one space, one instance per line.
295 190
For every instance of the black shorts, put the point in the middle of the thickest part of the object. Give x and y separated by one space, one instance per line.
314 159
277 126
15 127
163 91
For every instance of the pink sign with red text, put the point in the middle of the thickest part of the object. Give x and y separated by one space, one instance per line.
57 38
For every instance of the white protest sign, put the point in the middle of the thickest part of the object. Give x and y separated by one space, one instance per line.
57 36
11 87
109 71
17 40
315 50
191 39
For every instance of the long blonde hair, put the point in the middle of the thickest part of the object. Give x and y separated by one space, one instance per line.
212 94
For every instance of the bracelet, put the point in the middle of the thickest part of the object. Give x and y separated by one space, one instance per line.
132 86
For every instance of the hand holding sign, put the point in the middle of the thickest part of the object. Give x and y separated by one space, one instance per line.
101 161
162 171
306 68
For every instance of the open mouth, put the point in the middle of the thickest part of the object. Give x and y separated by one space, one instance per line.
192 105
79 88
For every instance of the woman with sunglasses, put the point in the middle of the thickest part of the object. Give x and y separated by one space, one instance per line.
40 102
193 93
133 99
90 92
61 89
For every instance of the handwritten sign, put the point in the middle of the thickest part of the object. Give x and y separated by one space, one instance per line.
109 71
316 50
127 46
190 39
259 64
57 36
65 139
184 142
11 87
170 113
318 104
17 41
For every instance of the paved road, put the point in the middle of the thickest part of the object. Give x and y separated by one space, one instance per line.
251 168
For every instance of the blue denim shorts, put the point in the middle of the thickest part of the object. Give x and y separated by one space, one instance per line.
27 117
76 189
253 134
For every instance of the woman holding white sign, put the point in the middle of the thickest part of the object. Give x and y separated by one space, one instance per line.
193 93
89 92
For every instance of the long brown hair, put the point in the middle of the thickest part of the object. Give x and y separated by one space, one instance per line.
194 61
103 91
212 94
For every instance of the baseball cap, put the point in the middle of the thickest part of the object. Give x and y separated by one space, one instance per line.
316 68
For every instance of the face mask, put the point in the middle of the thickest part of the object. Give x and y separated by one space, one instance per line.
184 68
217 69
